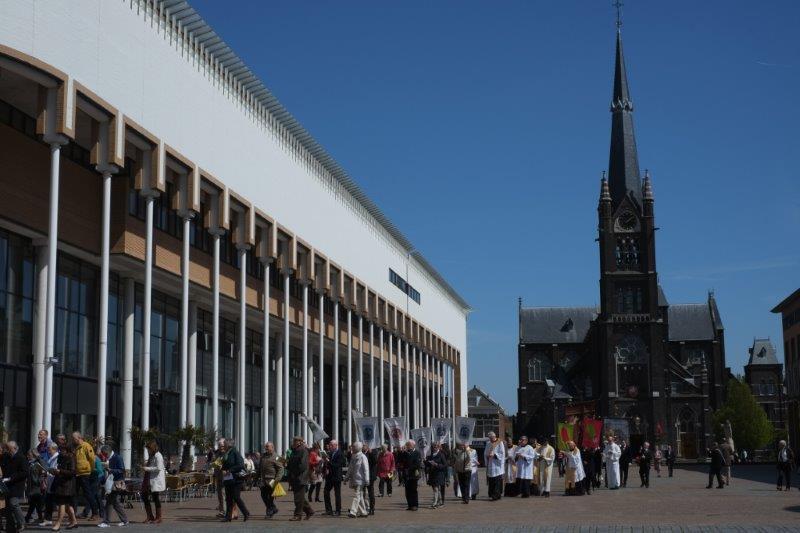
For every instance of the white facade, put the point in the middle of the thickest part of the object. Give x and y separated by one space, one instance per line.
124 52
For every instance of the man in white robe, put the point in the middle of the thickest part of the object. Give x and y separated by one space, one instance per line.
495 457
547 455
574 469
510 489
474 484
612 454
525 455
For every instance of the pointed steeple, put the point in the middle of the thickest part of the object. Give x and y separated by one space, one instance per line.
623 164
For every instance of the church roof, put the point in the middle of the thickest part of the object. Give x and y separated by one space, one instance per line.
762 353
623 161
479 402
554 325
690 322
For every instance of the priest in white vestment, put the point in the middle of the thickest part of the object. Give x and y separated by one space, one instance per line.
524 457
547 454
574 474
611 454
495 458
474 485
510 489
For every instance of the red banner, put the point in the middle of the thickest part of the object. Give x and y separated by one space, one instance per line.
591 431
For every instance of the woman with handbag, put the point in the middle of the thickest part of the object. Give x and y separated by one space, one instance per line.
154 483
114 485
63 486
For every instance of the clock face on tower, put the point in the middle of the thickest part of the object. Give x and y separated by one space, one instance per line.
627 221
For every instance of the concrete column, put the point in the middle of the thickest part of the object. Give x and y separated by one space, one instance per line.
280 357
184 345
242 366
267 361
414 401
349 417
407 402
52 270
39 364
335 387
147 309
373 411
304 430
287 357
127 371
102 352
391 379
381 395
360 378
191 397
428 388
321 371
400 410
215 333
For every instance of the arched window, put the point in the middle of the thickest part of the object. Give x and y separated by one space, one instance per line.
539 367
627 253
686 420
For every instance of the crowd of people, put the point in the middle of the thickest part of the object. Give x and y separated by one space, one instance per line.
55 473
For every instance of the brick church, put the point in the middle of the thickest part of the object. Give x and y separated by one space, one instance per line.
660 365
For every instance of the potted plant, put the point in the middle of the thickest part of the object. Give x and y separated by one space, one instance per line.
186 437
139 438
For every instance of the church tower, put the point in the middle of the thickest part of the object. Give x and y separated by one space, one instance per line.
631 323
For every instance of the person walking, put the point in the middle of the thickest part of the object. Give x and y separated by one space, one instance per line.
37 486
358 477
43 443
547 456
15 476
315 465
784 465
612 456
715 468
412 461
657 461
233 474
333 478
86 477
494 458
525 456
386 471
297 470
372 461
573 469
64 485
436 471
625 458
461 462
669 458
154 483
645 460
269 472
115 485
588 467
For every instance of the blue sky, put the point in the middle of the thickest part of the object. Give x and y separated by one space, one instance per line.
481 130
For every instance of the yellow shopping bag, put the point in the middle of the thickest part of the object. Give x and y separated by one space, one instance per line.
278 491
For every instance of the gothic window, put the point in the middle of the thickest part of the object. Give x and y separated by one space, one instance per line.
629 299
568 360
686 421
539 367
695 357
627 253
631 350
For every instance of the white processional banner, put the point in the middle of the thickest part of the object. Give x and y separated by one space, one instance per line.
368 430
441 429
465 426
318 433
395 427
422 436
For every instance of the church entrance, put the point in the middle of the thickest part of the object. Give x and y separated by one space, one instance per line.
687 432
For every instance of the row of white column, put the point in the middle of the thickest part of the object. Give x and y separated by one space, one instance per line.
430 402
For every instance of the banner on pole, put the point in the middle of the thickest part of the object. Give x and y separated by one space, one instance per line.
440 427
368 430
422 436
396 428
465 426
617 427
317 432
566 433
591 433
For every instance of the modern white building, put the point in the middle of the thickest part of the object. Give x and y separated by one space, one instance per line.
153 188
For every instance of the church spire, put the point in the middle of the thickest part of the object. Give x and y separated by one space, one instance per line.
623 164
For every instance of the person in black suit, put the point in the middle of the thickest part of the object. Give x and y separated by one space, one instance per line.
645 460
717 462
333 477
624 463
413 472
588 468
669 457
15 470
372 460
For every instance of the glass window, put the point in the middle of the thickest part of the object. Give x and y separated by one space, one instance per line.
16 299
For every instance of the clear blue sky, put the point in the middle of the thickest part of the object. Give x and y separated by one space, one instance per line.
481 130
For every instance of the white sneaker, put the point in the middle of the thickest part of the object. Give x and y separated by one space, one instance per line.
103 524
122 524
45 523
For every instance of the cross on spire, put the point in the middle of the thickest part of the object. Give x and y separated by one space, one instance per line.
618 5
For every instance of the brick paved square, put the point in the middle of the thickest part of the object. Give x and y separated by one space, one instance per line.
681 503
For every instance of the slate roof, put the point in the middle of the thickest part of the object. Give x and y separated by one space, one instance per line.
555 325
479 402
690 322
762 353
